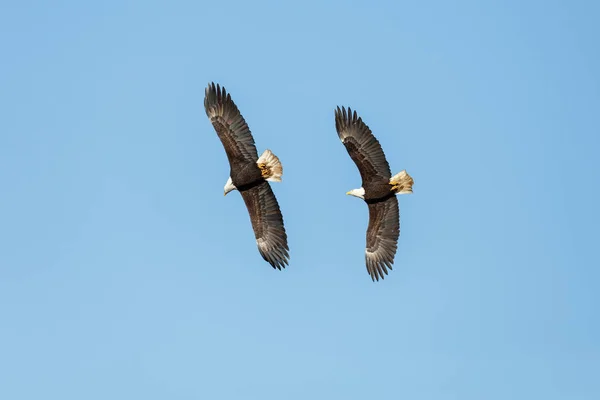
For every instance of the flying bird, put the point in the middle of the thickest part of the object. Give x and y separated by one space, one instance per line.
378 190
250 175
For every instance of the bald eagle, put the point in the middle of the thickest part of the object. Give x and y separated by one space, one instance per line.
250 175
378 190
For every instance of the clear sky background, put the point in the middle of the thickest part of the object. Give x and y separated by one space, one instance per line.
125 273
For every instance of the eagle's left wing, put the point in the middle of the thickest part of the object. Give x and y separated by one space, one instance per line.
362 146
230 125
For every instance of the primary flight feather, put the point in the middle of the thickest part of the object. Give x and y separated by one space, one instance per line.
378 190
250 175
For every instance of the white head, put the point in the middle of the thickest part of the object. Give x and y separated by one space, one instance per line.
228 187
360 193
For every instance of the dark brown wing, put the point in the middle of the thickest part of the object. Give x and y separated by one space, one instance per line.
267 223
362 146
382 236
230 125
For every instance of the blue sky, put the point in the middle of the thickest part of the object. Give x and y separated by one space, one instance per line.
125 273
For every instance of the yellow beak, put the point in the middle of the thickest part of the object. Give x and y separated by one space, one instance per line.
347 192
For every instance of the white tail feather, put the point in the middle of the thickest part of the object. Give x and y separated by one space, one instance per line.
402 182
270 166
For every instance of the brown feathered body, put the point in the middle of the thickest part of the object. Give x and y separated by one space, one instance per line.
379 189
250 174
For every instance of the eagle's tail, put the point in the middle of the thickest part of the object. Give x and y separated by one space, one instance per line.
270 166
402 183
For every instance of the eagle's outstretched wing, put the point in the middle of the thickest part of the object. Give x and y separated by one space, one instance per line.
382 236
362 146
267 223
230 125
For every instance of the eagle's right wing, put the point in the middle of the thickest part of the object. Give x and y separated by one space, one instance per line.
382 236
230 125
267 223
